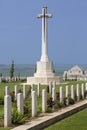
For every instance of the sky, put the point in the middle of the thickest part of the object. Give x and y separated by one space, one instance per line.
20 31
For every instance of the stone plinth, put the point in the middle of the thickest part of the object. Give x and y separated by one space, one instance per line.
43 80
44 69
44 74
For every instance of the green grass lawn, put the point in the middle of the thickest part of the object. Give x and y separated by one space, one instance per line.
77 121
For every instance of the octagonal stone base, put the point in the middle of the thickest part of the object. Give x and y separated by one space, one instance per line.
44 74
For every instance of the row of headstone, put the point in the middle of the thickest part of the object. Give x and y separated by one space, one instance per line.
20 97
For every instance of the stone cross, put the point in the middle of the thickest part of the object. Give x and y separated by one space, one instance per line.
44 17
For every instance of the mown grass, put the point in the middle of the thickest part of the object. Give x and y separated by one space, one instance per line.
77 121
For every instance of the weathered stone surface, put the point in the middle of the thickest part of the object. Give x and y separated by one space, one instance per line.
53 94
61 95
7 111
7 90
72 92
20 102
44 100
34 104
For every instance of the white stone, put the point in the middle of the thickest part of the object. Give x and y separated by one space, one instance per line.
44 70
67 91
44 17
72 92
20 102
82 89
78 92
7 90
86 86
24 91
50 87
67 95
44 100
34 104
54 84
38 89
32 88
16 91
7 111
53 94
61 95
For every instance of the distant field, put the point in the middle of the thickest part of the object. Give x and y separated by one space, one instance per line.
77 121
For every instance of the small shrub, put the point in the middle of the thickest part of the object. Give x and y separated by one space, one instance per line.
12 96
39 109
57 95
47 89
20 91
71 101
49 109
59 105
1 101
28 92
18 117
50 103
26 109
81 97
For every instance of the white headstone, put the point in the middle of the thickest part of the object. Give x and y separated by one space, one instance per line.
20 102
82 91
7 90
34 104
61 95
50 87
7 111
38 89
67 95
16 91
72 92
24 91
32 89
44 100
67 91
53 94
54 84
78 92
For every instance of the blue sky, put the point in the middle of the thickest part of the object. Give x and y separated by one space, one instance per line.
20 31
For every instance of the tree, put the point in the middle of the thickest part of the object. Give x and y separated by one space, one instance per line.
12 70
